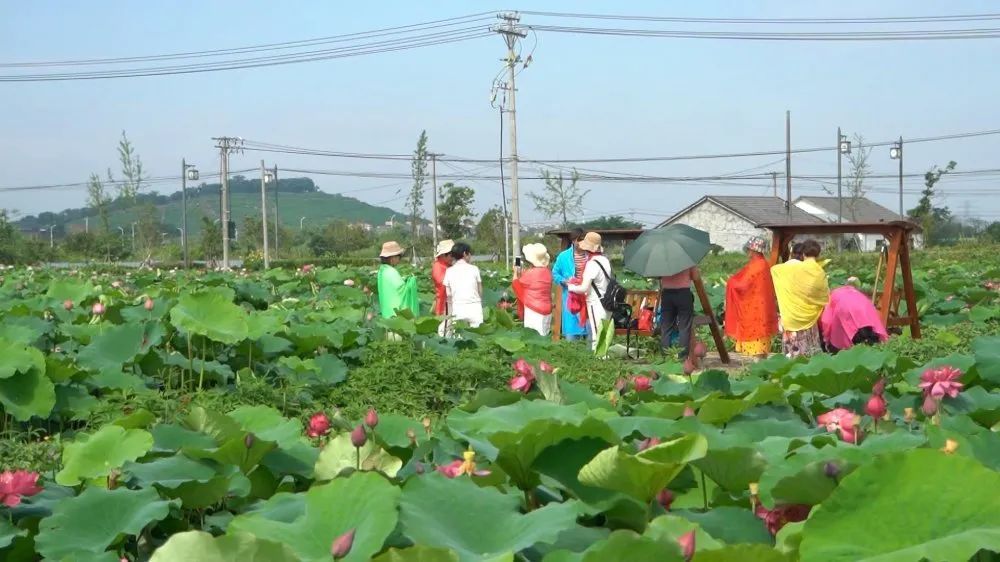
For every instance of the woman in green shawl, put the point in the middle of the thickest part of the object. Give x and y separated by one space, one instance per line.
394 292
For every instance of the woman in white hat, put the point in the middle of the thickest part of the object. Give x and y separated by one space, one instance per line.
596 278
442 261
534 290
394 292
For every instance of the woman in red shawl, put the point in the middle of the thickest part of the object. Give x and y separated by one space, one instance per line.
442 261
534 290
751 308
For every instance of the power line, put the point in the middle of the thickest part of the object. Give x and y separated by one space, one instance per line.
906 35
860 20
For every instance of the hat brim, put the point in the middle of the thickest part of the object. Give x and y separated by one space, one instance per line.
538 261
393 253
588 247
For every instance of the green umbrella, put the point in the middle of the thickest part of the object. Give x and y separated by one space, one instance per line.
666 251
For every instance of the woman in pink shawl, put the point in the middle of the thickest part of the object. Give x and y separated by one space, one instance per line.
851 319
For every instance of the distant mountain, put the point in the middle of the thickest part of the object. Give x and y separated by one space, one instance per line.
297 198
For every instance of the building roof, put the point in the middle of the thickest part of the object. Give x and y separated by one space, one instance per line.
865 210
756 210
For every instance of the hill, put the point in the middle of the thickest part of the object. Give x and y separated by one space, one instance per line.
297 198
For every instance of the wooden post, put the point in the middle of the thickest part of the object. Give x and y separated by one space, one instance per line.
908 293
889 285
706 307
557 313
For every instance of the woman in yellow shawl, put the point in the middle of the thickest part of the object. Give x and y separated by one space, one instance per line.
803 292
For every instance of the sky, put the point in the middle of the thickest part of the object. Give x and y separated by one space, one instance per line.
583 96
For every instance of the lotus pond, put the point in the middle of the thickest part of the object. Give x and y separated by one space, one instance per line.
172 416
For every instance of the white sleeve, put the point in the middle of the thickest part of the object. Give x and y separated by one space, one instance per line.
479 278
590 272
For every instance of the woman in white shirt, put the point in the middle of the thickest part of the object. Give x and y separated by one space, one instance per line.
594 283
464 287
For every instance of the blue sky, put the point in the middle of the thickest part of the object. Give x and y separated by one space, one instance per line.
583 96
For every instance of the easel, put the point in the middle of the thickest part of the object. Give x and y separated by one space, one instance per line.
707 318
898 234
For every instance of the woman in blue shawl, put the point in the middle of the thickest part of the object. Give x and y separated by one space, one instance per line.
568 265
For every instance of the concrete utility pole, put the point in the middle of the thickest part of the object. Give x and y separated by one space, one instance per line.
902 214
226 146
774 183
276 211
434 199
511 33
788 165
840 192
263 211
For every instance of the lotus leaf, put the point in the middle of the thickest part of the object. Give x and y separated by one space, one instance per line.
97 454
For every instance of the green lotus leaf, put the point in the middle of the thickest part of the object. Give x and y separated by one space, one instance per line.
831 375
339 455
96 455
28 394
917 505
70 289
392 428
977 403
139 419
743 553
477 523
112 348
973 440
170 472
643 475
298 459
18 357
197 546
234 451
212 315
731 525
517 450
417 553
8 532
478 426
267 423
987 352
170 437
623 546
265 323
91 522
666 528
219 427
363 501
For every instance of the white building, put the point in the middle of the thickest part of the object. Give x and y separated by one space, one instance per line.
861 210
731 220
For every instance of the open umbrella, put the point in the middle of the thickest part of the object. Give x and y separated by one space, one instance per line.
666 251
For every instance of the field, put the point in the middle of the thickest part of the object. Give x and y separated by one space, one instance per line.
207 416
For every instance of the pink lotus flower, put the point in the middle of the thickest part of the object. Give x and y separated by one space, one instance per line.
306 268
647 443
116 284
665 497
16 484
342 545
522 367
148 305
642 383
371 418
359 437
776 518
875 407
525 377
843 420
689 365
319 424
879 387
687 544
700 350
545 367
97 309
464 465
349 282
941 382
68 304
930 406
688 411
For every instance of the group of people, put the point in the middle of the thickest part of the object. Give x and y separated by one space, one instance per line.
794 299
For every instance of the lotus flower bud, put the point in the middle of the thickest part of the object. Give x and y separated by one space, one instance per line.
700 349
665 497
686 541
621 384
908 415
348 282
876 406
116 284
359 437
412 436
950 446
642 384
427 425
342 545
647 443
97 309
68 304
371 418
148 305
688 411
249 440
546 368
831 469
366 290
930 406
689 366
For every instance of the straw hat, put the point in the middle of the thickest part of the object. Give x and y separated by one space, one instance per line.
591 243
756 244
444 247
391 248
537 255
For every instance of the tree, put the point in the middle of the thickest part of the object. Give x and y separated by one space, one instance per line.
931 217
97 198
129 188
211 240
455 211
149 230
992 231
613 222
338 238
859 170
490 230
415 200
558 199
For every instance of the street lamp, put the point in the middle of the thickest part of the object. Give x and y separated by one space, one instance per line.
133 236
188 172
843 147
52 240
300 223
896 153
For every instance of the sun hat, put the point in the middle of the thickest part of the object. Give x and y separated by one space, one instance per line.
537 255
591 243
757 244
444 247
391 248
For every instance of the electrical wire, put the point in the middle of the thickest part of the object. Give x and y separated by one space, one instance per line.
905 35
860 20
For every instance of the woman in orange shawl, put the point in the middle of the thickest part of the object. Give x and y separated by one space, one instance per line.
751 309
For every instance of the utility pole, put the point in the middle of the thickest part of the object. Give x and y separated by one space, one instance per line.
774 183
276 211
788 165
263 212
187 170
226 146
840 192
902 215
434 199
511 33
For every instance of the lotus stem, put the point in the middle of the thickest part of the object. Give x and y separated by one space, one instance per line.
704 490
204 355
357 453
